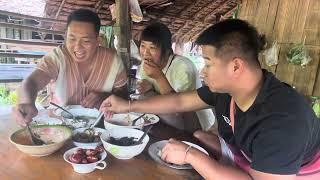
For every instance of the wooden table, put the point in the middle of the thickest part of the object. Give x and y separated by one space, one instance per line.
16 165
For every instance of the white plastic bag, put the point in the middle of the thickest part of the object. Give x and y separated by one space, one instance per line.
135 11
136 14
271 54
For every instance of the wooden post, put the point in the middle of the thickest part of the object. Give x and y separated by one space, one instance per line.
123 23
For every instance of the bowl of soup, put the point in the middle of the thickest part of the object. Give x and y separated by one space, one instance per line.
55 136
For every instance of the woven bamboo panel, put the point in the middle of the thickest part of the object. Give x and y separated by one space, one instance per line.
289 22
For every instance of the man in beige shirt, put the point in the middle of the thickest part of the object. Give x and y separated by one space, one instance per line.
82 72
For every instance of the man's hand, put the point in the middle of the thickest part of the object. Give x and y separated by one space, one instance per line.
114 104
94 99
174 152
23 113
143 86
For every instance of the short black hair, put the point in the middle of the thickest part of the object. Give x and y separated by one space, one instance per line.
85 15
159 34
234 37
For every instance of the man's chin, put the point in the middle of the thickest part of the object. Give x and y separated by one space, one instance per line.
79 60
215 90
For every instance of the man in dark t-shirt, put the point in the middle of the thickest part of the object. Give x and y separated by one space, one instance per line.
259 117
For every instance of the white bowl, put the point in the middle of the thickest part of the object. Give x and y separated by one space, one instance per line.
122 121
124 152
41 120
83 144
86 168
80 111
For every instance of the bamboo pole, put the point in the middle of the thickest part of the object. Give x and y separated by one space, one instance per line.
24 27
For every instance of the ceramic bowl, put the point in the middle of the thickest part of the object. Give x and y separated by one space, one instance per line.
123 152
54 135
82 130
123 121
86 168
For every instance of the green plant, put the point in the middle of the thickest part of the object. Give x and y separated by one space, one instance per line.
298 55
7 97
316 105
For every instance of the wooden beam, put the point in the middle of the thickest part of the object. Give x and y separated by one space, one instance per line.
59 10
123 21
22 16
193 5
19 55
214 11
38 43
229 13
36 29
99 5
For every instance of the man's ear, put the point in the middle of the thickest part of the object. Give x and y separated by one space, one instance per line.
238 66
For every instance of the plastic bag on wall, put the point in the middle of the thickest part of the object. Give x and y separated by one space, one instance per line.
271 54
112 8
136 14
135 11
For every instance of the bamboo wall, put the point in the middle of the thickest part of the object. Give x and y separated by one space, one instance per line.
287 22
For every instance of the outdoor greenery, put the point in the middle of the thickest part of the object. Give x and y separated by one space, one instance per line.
7 97
316 105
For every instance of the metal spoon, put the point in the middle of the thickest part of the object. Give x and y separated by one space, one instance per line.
136 119
144 135
60 107
97 120
35 140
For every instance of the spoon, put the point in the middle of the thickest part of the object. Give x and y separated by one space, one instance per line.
97 120
136 119
144 135
35 140
60 107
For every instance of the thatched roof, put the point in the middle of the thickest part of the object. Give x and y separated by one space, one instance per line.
185 18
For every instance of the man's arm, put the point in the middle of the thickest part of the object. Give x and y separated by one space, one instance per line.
171 103
211 169
176 152
27 94
30 87
164 104
121 92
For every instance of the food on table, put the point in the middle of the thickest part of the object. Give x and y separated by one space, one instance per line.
88 136
120 123
148 120
78 119
85 156
124 141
